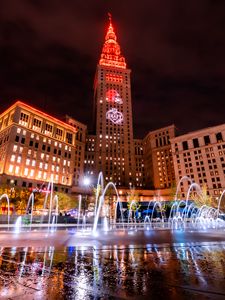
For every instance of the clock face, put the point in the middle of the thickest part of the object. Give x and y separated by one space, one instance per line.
113 96
114 116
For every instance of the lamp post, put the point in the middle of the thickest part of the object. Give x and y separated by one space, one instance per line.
86 183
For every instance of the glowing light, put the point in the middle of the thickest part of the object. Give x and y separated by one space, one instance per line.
113 96
114 116
86 181
111 55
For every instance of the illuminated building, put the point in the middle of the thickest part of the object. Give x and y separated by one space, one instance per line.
79 150
201 156
89 161
114 148
139 163
35 147
159 168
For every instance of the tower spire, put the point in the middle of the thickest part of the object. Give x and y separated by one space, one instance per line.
111 54
110 17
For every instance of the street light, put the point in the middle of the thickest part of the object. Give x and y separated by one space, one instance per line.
86 181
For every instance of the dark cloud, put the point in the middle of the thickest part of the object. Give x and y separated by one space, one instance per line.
49 51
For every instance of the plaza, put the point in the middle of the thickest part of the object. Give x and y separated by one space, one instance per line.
98 212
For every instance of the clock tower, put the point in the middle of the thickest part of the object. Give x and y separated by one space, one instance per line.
114 149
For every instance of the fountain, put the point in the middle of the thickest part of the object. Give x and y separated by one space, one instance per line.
31 199
79 209
182 215
18 225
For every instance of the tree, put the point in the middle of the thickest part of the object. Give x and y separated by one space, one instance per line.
66 201
133 200
203 198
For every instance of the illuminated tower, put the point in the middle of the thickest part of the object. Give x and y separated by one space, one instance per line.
114 150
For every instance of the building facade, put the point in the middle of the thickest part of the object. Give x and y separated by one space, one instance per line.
139 163
200 155
35 148
89 162
80 142
114 150
159 168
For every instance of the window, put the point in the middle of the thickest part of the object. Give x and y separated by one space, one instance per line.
37 124
17 169
207 140
24 119
195 143
59 133
48 129
13 157
69 137
10 168
26 171
219 137
185 145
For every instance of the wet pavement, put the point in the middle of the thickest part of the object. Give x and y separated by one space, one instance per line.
149 271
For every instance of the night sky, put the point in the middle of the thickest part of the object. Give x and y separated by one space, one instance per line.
49 50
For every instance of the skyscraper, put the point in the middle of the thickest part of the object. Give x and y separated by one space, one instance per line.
114 149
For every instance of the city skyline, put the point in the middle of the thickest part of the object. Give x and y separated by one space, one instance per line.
49 60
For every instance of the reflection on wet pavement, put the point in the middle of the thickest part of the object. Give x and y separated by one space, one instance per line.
181 271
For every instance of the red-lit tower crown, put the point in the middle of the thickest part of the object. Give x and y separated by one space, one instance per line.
111 54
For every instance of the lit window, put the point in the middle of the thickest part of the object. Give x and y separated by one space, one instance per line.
26 171
18 130
31 173
27 161
59 134
15 148
10 168
23 119
17 169
39 174
19 159
36 124
45 176
13 157
48 129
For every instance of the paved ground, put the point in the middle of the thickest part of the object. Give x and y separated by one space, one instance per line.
181 265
